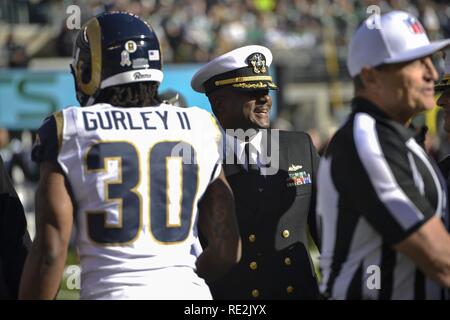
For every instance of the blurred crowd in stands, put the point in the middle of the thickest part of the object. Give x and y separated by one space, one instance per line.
15 150
196 30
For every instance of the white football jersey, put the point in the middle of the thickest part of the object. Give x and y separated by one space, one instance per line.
136 176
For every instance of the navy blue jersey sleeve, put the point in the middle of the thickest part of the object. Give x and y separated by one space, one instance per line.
14 238
48 139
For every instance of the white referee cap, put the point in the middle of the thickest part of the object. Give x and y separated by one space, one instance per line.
245 68
394 37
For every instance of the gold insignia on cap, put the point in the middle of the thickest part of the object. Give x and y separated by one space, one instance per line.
258 85
241 79
258 62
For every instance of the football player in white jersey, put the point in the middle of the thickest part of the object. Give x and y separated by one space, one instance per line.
135 175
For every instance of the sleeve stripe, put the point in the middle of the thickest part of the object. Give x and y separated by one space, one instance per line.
380 175
414 147
416 174
59 119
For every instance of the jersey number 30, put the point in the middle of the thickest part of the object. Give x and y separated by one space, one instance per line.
173 184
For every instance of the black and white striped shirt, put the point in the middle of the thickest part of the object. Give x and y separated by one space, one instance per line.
376 186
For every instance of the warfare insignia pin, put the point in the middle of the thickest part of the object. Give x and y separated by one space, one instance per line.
294 167
258 62
130 46
125 59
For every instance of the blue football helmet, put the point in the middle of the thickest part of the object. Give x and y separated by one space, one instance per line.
111 49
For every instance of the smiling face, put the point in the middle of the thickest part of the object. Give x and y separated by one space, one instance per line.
406 89
237 109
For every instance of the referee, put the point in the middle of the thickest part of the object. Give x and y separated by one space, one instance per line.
380 197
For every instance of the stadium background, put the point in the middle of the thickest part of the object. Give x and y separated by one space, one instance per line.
308 40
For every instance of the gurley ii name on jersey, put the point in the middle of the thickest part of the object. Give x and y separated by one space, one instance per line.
145 120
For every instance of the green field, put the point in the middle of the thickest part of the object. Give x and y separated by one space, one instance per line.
64 292
74 294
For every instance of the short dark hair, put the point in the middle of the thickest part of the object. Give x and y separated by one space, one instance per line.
130 95
357 83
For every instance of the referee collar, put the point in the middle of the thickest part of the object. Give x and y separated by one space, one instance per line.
360 104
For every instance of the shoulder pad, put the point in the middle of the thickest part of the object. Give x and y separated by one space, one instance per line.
48 139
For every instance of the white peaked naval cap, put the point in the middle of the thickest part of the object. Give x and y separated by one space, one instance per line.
245 68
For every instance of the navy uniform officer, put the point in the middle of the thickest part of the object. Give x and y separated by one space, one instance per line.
272 175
